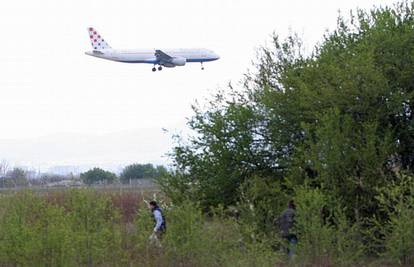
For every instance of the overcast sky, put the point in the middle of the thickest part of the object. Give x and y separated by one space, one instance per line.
50 90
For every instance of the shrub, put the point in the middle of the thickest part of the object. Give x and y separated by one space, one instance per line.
398 202
140 171
77 227
95 225
34 233
97 175
326 237
261 201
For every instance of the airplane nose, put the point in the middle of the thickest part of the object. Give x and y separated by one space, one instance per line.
216 56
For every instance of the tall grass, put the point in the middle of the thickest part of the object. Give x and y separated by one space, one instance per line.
88 228
91 228
36 232
193 239
32 234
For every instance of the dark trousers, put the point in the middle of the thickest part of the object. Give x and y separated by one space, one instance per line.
292 241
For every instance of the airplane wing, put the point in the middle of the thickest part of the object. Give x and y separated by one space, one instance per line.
161 56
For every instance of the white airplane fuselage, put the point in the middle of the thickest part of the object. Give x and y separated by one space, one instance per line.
179 56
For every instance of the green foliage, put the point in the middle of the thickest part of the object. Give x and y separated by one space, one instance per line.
35 232
94 221
326 237
179 187
196 240
138 171
338 120
345 159
397 200
97 175
331 129
185 233
339 117
83 228
314 235
144 225
261 201
31 232
214 163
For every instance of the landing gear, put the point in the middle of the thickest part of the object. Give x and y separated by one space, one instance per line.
202 67
155 69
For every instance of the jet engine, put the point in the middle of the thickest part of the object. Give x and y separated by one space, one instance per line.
173 62
178 61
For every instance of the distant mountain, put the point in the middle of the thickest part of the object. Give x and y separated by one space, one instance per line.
66 152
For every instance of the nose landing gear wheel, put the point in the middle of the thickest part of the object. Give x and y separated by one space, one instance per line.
202 67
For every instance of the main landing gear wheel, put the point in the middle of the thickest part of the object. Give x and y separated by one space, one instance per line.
202 67
154 69
159 68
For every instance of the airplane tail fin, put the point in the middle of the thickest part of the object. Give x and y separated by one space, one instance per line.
98 43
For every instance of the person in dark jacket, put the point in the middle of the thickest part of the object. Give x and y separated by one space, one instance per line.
285 222
160 225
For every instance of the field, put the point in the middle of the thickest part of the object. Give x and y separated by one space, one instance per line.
68 227
111 226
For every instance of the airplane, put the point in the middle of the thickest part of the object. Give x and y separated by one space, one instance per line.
168 58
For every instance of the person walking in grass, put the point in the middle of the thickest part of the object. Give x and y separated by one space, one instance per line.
285 222
160 225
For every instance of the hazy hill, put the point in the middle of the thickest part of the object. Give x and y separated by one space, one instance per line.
107 150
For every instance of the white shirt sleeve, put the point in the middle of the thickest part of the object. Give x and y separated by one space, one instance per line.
158 220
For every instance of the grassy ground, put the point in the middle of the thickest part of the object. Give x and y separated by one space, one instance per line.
111 227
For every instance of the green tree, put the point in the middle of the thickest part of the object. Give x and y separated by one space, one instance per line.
97 175
339 118
397 200
139 171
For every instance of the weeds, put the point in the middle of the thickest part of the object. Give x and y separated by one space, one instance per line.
90 228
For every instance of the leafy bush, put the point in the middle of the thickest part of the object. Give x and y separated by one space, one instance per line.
34 233
81 230
325 236
139 171
261 201
215 241
398 202
94 222
339 118
97 175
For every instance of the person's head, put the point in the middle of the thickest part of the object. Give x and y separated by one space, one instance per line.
152 204
291 204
